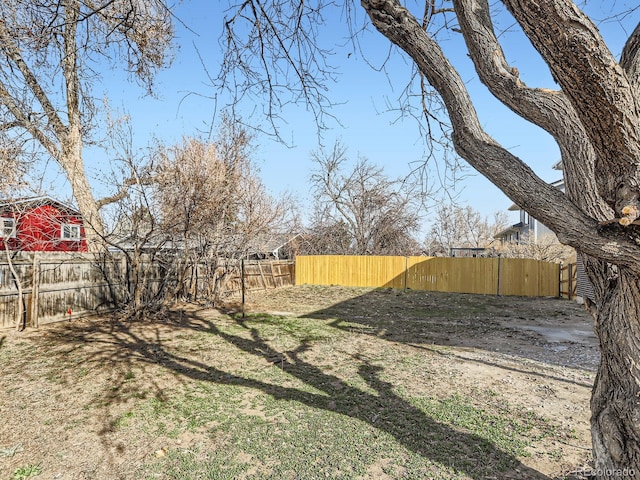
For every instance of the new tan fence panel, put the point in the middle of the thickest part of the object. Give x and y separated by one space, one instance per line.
464 275
534 278
504 276
351 270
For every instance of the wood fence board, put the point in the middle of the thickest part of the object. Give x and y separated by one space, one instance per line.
351 270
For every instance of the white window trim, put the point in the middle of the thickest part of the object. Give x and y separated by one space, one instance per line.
72 228
3 230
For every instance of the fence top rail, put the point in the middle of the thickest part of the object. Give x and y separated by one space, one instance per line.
425 258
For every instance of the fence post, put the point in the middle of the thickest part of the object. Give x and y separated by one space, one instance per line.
499 278
35 290
570 273
292 270
242 283
273 275
264 282
560 276
406 270
125 278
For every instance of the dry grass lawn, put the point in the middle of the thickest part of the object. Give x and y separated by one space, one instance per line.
315 382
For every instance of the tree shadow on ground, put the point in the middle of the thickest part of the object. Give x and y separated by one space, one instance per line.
383 409
426 320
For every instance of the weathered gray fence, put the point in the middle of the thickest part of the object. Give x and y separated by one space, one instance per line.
60 286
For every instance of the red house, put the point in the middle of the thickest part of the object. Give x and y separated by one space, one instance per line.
41 224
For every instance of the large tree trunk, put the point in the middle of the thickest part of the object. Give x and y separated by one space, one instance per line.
71 136
615 402
73 166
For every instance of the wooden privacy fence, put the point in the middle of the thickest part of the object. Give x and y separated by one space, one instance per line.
261 275
496 276
58 286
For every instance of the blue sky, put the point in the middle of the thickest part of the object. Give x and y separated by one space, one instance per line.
183 106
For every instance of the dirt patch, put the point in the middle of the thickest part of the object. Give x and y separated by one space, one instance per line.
545 329
95 399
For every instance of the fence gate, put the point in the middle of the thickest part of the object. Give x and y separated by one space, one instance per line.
568 280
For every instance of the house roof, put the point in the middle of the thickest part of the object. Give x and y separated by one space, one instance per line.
512 229
271 243
36 201
264 244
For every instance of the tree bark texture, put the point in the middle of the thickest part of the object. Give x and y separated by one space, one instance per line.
615 401
594 117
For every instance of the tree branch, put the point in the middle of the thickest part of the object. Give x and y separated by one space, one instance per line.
12 51
21 120
542 107
549 109
630 58
70 65
123 192
596 85
281 56
505 170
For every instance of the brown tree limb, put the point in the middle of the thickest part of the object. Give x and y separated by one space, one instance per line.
542 107
630 58
21 120
123 191
12 51
549 109
505 170
599 89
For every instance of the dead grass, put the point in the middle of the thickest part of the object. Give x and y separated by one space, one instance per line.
316 382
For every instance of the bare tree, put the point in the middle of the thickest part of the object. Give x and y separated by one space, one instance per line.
546 248
212 203
134 235
592 113
47 69
7 232
326 237
139 263
462 226
13 181
377 215
183 214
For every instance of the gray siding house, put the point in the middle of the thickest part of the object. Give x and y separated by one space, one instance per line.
528 229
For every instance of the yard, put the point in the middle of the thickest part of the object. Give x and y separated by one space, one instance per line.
315 382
